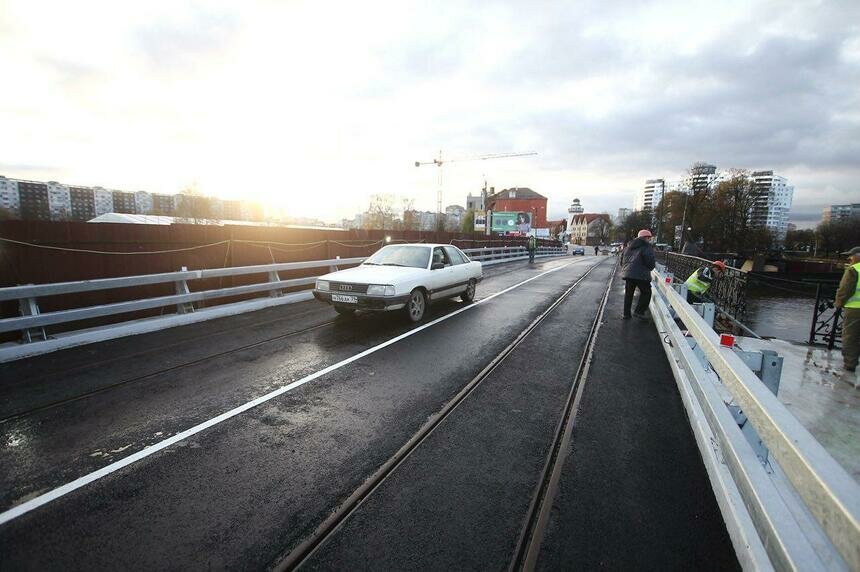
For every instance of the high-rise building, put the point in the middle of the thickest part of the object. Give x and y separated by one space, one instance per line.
772 203
143 202
163 205
835 213
123 202
623 213
10 203
83 203
650 195
103 200
59 201
34 200
702 177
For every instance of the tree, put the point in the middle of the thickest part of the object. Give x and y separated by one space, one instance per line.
631 226
467 223
837 236
725 222
192 206
602 228
802 239
409 217
380 213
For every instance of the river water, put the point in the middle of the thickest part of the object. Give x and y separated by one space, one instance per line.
785 317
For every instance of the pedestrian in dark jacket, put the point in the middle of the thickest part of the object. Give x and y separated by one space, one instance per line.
637 262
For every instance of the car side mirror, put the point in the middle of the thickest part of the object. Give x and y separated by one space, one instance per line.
437 266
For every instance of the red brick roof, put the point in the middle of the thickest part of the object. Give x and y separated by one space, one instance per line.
589 217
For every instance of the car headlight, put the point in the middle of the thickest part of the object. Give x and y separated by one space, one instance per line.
380 290
322 285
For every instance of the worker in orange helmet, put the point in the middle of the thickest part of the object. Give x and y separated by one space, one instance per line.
637 262
701 279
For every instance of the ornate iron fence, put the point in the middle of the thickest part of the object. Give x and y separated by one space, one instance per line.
728 292
826 319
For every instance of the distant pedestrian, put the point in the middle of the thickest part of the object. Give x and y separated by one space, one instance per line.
701 279
596 249
637 262
848 298
532 247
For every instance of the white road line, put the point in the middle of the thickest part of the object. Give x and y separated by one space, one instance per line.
60 491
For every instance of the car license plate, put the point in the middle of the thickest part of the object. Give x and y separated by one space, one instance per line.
345 299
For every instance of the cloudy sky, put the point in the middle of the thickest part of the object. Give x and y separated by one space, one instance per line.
317 105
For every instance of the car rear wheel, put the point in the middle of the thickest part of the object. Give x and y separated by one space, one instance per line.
416 305
469 294
344 310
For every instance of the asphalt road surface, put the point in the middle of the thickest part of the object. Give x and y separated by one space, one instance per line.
225 444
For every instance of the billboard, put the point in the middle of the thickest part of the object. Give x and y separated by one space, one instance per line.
511 222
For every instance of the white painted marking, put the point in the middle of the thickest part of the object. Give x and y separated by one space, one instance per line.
78 483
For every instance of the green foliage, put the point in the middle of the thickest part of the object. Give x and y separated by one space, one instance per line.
631 226
837 236
467 223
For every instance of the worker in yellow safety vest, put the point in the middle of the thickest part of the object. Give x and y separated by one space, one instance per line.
700 281
848 298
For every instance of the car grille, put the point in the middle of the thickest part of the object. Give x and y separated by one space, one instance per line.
347 287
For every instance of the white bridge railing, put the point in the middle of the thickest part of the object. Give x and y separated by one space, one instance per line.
32 323
796 508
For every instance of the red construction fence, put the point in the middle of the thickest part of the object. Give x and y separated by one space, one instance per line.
35 252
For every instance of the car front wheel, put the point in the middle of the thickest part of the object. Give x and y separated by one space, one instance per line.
469 294
416 305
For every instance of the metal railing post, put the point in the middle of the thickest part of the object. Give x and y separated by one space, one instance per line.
30 307
273 277
182 288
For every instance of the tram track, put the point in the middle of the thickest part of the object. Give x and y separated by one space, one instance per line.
296 557
535 524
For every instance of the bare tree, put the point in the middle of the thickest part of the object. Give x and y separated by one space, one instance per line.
380 212
410 220
602 228
192 206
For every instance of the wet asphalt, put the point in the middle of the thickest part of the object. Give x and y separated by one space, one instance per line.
243 493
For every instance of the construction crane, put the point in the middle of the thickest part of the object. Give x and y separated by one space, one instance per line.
439 162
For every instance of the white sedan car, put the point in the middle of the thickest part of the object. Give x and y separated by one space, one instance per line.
403 276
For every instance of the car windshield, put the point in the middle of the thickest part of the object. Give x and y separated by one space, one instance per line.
409 256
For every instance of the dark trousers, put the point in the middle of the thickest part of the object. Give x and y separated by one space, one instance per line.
531 255
630 287
693 298
850 336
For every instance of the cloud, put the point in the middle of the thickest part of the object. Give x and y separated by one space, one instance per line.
303 100
184 39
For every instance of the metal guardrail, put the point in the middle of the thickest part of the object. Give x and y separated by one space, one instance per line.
827 319
497 253
31 318
729 291
812 519
32 322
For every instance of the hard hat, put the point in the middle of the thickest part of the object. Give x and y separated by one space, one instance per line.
644 233
719 264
